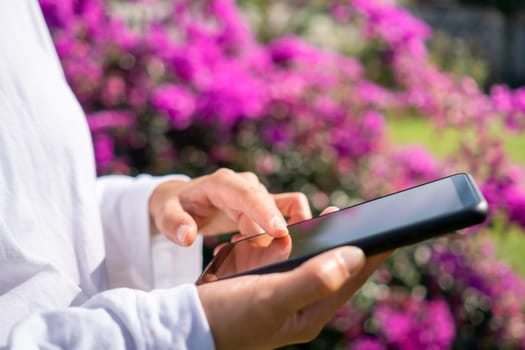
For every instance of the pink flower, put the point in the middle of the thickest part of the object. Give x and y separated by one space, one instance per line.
113 92
290 48
177 103
58 13
501 98
103 146
417 324
107 119
417 163
366 343
514 198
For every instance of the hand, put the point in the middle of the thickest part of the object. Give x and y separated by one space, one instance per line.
268 311
221 202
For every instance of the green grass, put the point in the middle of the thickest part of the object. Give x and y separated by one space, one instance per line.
510 241
510 247
515 146
445 142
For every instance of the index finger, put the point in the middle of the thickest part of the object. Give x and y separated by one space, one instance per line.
240 195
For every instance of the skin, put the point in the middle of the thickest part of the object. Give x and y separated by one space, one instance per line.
273 310
224 201
264 311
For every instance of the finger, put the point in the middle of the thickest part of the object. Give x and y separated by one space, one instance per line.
176 224
247 227
218 223
218 248
241 195
317 278
329 210
294 205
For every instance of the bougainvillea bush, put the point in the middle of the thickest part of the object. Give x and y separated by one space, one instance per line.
186 86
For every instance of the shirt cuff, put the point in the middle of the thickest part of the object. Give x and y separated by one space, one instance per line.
124 208
190 325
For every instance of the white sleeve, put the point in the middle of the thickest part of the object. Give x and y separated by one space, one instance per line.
133 259
121 319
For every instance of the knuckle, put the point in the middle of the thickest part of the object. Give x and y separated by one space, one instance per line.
322 285
300 196
325 283
301 199
223 173
249 176
252 193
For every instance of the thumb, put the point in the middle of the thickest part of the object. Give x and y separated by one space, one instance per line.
176 224
318 278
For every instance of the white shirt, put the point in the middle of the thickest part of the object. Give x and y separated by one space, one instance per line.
66 238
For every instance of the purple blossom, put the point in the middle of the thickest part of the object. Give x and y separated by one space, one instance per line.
122 37
326 108
197 64
350 68
177 103
94 16
64 44
159 40
366 343
394 25
418 164
516 119
58 13
235 31
104 120
113 92
356 140
290 48
103 147
501 98
374 95
396 325
232 94
515 202
503 190
510 104
417 324
277 134
341 12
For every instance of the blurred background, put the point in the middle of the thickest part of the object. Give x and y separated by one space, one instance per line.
343 100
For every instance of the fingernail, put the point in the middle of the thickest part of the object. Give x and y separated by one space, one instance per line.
351 258
279 224
181 233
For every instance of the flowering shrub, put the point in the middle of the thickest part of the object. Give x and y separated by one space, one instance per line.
193 89
438 296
